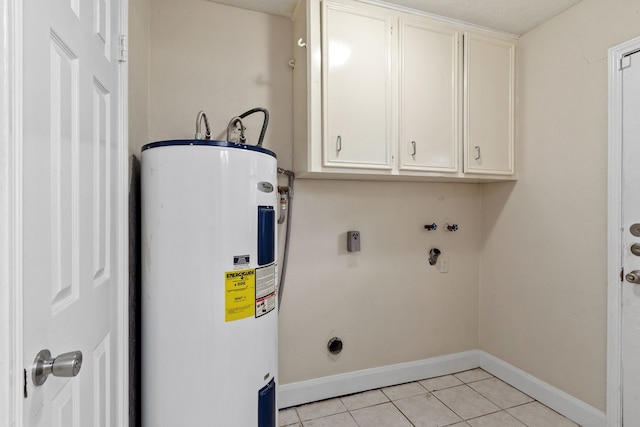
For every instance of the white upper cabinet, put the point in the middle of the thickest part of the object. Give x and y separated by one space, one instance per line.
356 85
383 94
489 105
429 89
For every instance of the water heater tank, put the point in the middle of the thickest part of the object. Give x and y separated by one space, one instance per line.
209 274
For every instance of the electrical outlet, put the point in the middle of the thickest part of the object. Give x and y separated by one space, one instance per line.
444 264
353 241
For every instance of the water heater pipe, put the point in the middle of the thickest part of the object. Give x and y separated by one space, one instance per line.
285 255
265 123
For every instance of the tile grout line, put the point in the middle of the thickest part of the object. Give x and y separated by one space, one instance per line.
403 414
353 418
447 406
459 415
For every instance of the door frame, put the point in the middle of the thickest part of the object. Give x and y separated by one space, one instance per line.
10 160
11 262
614 237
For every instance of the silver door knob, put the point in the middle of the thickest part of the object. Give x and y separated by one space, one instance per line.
633 277
65 365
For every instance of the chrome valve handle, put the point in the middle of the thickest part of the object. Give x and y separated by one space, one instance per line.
451 227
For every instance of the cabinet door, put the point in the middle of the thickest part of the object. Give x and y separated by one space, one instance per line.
357 100
489 105
429 107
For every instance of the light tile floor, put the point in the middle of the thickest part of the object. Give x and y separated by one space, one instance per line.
471 398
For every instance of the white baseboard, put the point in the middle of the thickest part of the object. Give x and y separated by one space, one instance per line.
367 379
558 400
354 382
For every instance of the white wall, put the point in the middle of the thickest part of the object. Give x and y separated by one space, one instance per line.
543 286
386 303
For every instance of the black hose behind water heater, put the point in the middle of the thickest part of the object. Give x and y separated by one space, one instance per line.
265 123
287 235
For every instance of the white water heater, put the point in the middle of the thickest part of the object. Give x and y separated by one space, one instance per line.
209 285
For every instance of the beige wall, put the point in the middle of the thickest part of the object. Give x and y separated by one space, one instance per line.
225 61
543 286
138 74
386 303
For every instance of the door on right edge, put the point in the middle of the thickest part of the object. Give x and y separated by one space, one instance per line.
631 240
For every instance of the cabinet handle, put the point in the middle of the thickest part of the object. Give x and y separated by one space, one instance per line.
413 143
477 147
339 144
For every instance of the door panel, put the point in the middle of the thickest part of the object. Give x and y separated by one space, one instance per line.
630 216
70 206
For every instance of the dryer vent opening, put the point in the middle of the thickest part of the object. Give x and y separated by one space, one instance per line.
334 345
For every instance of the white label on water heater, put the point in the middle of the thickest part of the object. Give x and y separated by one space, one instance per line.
265 305
241 261
265 280
265 289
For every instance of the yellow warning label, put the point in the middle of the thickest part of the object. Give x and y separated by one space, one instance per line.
240 294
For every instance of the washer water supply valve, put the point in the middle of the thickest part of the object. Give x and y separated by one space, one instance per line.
452 227
431 227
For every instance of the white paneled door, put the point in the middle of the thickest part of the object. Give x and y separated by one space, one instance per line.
631 240
72 208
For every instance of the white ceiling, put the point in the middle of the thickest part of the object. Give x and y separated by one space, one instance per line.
511 16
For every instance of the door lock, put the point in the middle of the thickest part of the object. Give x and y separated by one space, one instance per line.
633 277
635 249
65 365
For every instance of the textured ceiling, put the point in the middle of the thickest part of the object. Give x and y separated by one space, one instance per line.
511 16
